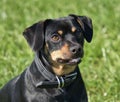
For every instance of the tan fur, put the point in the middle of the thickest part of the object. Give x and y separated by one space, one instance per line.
73 29
63 53
63 70
60 32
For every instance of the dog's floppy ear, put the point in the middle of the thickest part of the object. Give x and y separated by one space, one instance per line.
86 24
35 35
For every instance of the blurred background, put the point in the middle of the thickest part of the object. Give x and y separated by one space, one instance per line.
100 67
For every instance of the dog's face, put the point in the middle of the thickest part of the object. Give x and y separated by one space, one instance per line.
61 40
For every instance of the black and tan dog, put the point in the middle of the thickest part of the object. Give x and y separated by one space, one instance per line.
54 75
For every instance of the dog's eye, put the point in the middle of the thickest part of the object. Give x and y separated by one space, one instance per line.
56 38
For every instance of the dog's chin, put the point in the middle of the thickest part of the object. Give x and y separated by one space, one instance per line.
65 66
73 61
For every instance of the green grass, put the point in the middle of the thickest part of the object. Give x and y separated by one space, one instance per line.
101 64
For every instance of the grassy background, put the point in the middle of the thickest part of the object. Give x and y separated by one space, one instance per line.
101 64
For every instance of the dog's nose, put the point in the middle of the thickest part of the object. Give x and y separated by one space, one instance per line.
75 49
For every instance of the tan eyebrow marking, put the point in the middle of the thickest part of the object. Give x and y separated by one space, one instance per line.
73 29
60 32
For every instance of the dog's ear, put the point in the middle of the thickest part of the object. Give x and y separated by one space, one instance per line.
35 35
86 25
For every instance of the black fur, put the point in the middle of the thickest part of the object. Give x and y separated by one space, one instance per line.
23 87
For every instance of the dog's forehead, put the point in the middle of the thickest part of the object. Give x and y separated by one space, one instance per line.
61 24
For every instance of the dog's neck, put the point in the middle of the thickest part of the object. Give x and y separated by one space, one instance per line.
44 60
52 80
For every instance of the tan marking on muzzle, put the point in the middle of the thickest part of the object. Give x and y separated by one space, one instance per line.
56 54
64 51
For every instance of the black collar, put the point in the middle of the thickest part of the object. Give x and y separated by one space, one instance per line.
52 81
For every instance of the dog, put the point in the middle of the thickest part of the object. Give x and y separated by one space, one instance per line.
54 75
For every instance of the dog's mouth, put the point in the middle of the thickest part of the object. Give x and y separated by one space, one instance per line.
69 61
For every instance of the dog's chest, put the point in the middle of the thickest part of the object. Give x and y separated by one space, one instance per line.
50 95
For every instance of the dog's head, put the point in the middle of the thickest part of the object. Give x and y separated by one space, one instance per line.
61 40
